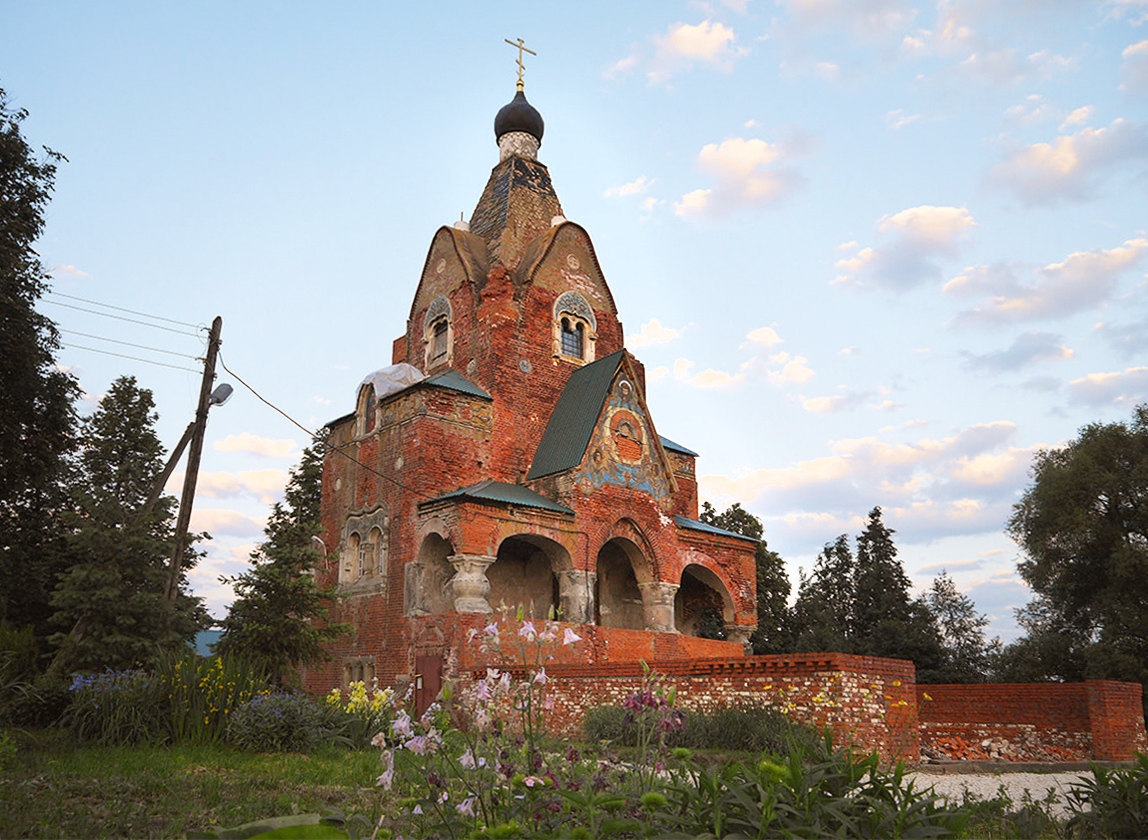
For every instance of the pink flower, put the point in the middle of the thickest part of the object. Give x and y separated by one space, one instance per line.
527 630
388 777
466 807
531 781
548 702
380 740
401 726
418 809
540 678
569 637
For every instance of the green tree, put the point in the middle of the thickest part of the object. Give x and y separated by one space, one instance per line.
37 419
110 605
823 614
968 655
279 615
1083 527
774 620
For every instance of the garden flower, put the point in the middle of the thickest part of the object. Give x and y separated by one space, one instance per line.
401 727
540 678
531 781
527 630
569 637
388 777
466 807
467 760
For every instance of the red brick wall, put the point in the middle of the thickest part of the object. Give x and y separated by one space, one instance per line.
1098 719
867 701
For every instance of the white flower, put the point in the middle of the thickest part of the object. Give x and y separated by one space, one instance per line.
527 630
388 777
540 678
466 807
570 637
401 726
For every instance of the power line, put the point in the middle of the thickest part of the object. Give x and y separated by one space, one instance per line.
129 344
122 318
122 309
133 358
311 434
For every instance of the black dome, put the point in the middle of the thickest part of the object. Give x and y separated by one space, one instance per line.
519 115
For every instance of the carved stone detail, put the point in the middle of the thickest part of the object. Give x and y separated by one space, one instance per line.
469 582
740 634
576 596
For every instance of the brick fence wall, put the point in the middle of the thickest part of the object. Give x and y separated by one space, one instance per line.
1097 719
867 701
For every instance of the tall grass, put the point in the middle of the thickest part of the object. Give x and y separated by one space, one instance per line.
203 693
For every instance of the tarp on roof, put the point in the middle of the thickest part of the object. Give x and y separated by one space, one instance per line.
694 525
503 493
390 379
574 417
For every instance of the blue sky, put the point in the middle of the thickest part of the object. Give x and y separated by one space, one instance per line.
871 253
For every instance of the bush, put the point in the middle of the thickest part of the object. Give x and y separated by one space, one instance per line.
118 708
737 728
1113 803
356 718
202 693
39 704
284 722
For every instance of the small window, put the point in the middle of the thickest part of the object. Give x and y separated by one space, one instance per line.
573 339
349 567
440 340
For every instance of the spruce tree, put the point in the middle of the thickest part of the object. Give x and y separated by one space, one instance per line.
279 616
110 605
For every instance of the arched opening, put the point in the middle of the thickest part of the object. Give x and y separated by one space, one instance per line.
368 407
524 575
618 600
371 554
702 606
427 587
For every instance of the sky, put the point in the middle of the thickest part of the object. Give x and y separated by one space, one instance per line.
871 253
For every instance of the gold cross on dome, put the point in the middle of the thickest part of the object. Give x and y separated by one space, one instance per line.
521 49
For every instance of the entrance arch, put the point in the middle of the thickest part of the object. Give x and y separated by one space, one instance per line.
618 599
427 589
525 575
702 606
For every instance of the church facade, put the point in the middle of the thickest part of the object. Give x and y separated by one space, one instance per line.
506 462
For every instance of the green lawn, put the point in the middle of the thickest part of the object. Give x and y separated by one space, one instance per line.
52 789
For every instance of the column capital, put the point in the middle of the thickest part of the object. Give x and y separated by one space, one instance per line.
469 582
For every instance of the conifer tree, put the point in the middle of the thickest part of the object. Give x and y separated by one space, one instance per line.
37 420
279 616
110 605
823 614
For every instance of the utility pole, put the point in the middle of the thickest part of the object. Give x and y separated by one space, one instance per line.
199 426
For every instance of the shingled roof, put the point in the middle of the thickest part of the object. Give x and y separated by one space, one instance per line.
575 414
517 206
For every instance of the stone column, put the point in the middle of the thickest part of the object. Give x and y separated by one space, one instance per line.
658 606
740 633
576 596
469 582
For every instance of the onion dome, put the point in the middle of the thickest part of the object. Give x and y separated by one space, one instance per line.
518 115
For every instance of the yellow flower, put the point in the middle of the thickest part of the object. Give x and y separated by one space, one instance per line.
896 682
925 695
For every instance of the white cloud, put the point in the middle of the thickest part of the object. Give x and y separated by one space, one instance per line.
685 45
1134 69
872 18
1027 349
1136 11
834 403
247 442
1077 117
827 71
620 66
654 333
915 239
899 119
708 378
791 370
1083 280
1034 109
264 485
68 271
635 187
765 336
1127 387
1070 166
219 522
746 175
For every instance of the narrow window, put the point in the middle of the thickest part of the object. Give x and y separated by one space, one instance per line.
572 338
440 339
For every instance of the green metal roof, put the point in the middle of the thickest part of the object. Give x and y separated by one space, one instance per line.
575 414
503 493
693 524
676 447
455 381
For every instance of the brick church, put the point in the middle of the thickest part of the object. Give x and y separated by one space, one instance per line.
507 460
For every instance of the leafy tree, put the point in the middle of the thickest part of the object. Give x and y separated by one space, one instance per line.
774 620
1083 527
968 655
110 604
37 420
279 615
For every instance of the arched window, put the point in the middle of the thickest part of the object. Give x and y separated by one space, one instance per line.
368 408
438 334
574 328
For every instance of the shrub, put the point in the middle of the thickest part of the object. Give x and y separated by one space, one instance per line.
360 715
39 704
1113 803
117 708
285 722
